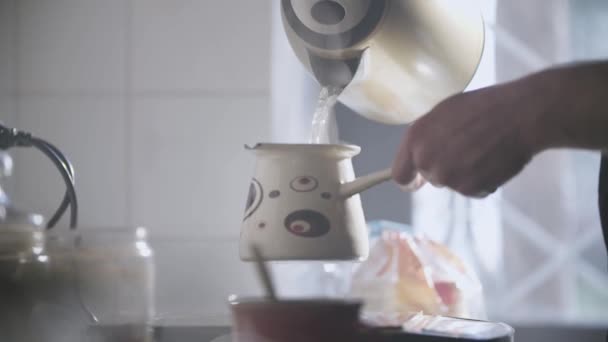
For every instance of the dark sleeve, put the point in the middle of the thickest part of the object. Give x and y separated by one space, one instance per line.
603 196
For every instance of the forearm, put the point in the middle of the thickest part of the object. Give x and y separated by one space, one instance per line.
573 107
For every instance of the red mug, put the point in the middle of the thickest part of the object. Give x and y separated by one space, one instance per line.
295 320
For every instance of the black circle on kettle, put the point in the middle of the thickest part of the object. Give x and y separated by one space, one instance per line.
328 12
307 223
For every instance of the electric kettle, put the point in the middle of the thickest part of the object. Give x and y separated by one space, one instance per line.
396 59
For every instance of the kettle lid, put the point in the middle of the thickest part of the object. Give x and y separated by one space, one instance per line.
333 25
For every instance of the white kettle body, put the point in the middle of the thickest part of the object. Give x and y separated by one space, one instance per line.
396 59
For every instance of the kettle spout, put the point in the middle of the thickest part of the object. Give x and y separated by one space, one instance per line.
363 183
333 72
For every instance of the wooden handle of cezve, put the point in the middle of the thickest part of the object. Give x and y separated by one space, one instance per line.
363 183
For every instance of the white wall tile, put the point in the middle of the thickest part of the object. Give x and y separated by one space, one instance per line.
195 277
190 173
7 46
91 133
201 45
8 107
72 45
189 165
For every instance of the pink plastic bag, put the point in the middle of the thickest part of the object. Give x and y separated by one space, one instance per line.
406 275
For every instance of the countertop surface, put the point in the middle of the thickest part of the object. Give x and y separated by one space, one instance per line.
522 334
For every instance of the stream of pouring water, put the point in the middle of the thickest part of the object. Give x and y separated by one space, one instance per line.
323 121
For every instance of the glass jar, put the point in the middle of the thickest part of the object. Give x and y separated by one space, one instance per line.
86 285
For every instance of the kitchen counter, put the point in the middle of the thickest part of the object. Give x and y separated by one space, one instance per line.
523 334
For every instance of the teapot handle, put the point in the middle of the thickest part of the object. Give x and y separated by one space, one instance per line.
363 183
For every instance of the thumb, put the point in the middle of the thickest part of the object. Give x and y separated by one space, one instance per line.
404 170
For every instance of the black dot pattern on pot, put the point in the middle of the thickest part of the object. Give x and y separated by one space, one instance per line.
307 223
304 184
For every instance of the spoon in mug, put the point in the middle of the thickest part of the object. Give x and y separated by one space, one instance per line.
264 273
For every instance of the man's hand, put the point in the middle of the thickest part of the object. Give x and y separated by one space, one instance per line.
476 141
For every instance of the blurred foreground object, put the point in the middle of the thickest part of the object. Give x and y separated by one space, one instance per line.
68 286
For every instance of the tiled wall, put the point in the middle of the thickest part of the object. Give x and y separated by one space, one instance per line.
152 101
7 59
